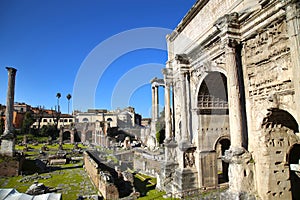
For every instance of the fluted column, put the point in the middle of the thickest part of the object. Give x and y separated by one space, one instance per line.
293 29
234 103
10 101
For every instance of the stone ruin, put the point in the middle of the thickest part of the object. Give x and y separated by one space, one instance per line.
233 74
11 163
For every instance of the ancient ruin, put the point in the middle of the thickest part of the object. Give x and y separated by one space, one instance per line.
8 138
233 69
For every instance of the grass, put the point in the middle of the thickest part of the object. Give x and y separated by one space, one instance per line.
146 186
70 180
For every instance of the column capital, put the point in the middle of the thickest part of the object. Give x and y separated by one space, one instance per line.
157 82
11 70
228 22
229 44
182 59
292 9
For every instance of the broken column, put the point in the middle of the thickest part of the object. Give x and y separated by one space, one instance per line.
8 138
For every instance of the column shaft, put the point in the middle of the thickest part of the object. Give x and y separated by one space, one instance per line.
293 28
156 103
234 103
10 101
168 112
184 132
153 104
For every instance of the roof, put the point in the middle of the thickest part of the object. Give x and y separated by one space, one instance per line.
13 194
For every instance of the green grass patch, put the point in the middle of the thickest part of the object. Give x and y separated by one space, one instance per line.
145 185
71 181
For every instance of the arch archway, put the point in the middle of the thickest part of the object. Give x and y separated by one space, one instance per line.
294 162
66 136
212 126
212 96
278 129
221 146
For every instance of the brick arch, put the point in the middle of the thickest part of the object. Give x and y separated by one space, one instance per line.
63 131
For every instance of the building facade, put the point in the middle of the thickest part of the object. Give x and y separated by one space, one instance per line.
233 69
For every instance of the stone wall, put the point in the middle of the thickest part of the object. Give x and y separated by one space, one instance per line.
147 163
101 177
11 166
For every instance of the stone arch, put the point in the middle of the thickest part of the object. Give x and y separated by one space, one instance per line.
212 92
221 145
67 135
280 117
85 120
211 127
202 78
293 158
278 139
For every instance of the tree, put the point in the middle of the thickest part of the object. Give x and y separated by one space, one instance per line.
69 97
2 125
160 127
27 122
58 95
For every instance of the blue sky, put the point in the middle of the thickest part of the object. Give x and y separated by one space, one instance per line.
51 42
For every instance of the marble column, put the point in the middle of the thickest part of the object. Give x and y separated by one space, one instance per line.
153 102
168 129
234 103
184 113
10 101
156 102
8 139
293 29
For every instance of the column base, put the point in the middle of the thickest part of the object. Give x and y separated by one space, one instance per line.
7 147
228 195
166 178
185 181
240 173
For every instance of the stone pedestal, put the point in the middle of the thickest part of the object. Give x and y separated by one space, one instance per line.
185 180
241 175
166 177
8 147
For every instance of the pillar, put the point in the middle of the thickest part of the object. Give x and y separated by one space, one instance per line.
168 129
168 117
234 103
72 132
184 112
153 102
10 101
156 102
293 29
8 139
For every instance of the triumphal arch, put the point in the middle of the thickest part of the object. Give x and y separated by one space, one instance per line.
232 99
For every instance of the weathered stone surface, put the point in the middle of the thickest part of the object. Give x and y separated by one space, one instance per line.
233 69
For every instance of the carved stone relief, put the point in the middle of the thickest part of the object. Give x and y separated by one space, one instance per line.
268 61
189 158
